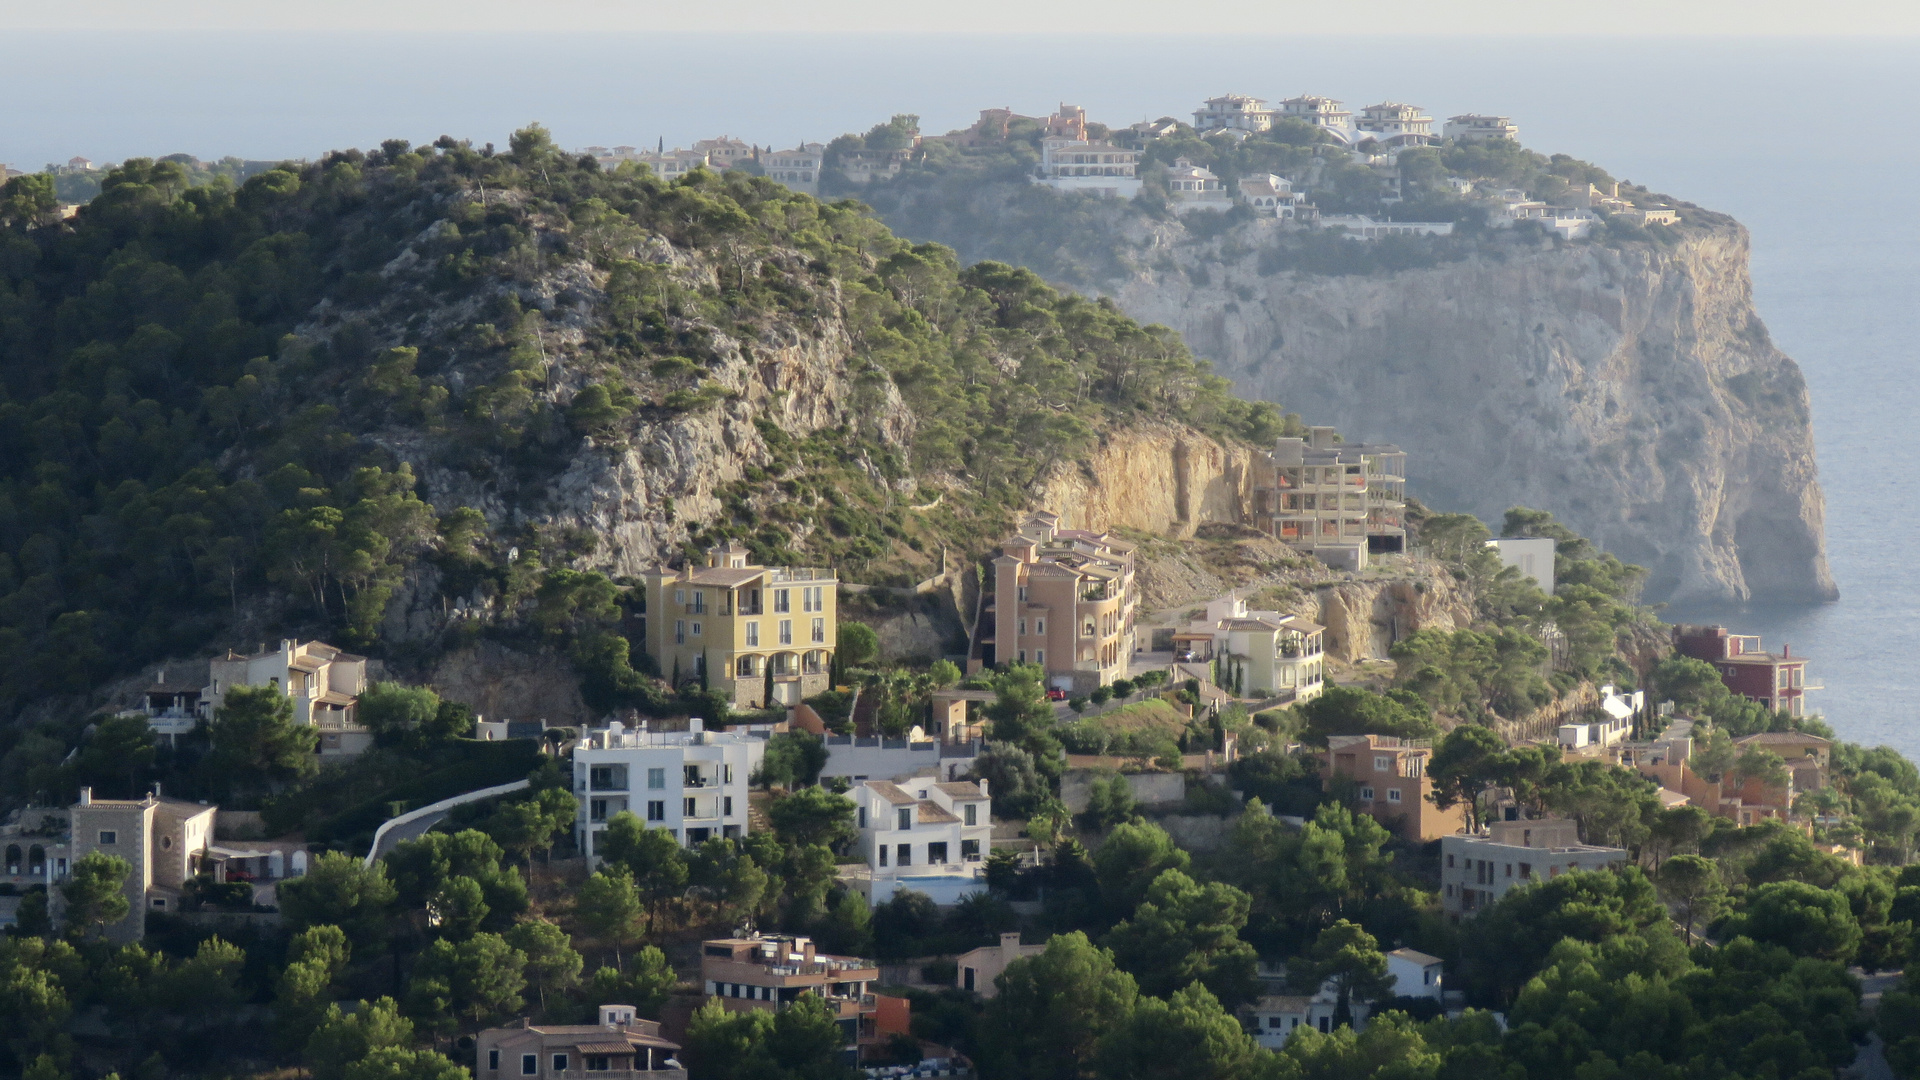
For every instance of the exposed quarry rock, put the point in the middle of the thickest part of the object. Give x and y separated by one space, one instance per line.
1633 392
1364 618
1160 478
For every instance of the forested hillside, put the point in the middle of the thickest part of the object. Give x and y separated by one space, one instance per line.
411 377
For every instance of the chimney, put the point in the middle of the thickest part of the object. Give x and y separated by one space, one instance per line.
806 950
1010 943
695 724
1786 650
160 676
86 796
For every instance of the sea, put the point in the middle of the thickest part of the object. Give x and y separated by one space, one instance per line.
1803 140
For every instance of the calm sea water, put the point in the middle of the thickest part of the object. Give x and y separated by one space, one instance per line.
1800 140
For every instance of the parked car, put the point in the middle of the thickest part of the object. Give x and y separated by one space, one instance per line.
1056 694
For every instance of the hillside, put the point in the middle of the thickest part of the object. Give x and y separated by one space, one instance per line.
418 397
1623 381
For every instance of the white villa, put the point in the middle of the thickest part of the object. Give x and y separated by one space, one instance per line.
1279 654
1193 187
1391 123
1472 127
692 783
1322 112
925 835
798 168
1233 112
323 682
1099 168
1271 195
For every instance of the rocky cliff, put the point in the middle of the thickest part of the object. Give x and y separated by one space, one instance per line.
1631 390
1159 478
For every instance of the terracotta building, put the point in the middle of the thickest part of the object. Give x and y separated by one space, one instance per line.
620 1047
1390 775
767 974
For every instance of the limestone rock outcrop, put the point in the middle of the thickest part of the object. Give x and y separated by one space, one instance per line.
1633 391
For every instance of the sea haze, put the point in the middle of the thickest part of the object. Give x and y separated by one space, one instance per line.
1791 137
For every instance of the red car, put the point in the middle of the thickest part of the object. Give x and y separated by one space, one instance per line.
1056 694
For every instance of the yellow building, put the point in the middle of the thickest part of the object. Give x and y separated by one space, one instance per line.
730 621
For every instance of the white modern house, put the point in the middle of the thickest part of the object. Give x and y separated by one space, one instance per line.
1270 651
1193 187
798 168
1362 227
1531 555
1478 869
692 783
1392 123
323 684
926 835
1097 168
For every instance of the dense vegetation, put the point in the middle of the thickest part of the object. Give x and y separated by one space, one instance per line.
220 405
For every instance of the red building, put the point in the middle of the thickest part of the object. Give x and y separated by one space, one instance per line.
1778 681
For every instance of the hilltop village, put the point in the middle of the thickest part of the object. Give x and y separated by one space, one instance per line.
354 736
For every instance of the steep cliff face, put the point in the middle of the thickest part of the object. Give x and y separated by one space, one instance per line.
1158 478
1632 391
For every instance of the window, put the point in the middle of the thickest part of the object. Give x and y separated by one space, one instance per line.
863 817
726 774
753 632
903 818
936 854
1040 626
679 596
687 809
1023 628
597 810
819 631
1039 656
692 775
657 810
780 602
493 1059
1023 656
1526 870
108 836
1366 793
1509 869
883 853
970 850
904 855
727 804
1393 794
972 814
559 1063
1382 763
966 978
656 779
699 602
679 631
607 777
160 901
529 1064
786 631
696 628
598 1063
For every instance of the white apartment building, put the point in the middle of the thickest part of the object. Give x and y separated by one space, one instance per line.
1472 127
798 168
1098 168
1322 112
1476 870
692 783
1233 112
1193 187
1391 123
1362 227
925 835
1271 195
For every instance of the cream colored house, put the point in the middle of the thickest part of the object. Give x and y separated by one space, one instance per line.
167 842
324 683
730 622
1193 187
976 970
1097 168
1061 598
620 1047
798 168
1273 653
1233 112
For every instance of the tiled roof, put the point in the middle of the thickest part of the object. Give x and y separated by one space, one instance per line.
891 792
962 789
724 575
1783 738
932 813
1414 956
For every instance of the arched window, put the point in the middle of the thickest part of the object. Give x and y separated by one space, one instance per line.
36 858
13 858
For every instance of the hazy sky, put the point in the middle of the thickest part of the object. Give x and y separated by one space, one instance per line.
1617 17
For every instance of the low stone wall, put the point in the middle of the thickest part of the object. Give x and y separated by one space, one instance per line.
1149 789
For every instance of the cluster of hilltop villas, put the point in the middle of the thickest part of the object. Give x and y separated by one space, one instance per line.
1077 156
